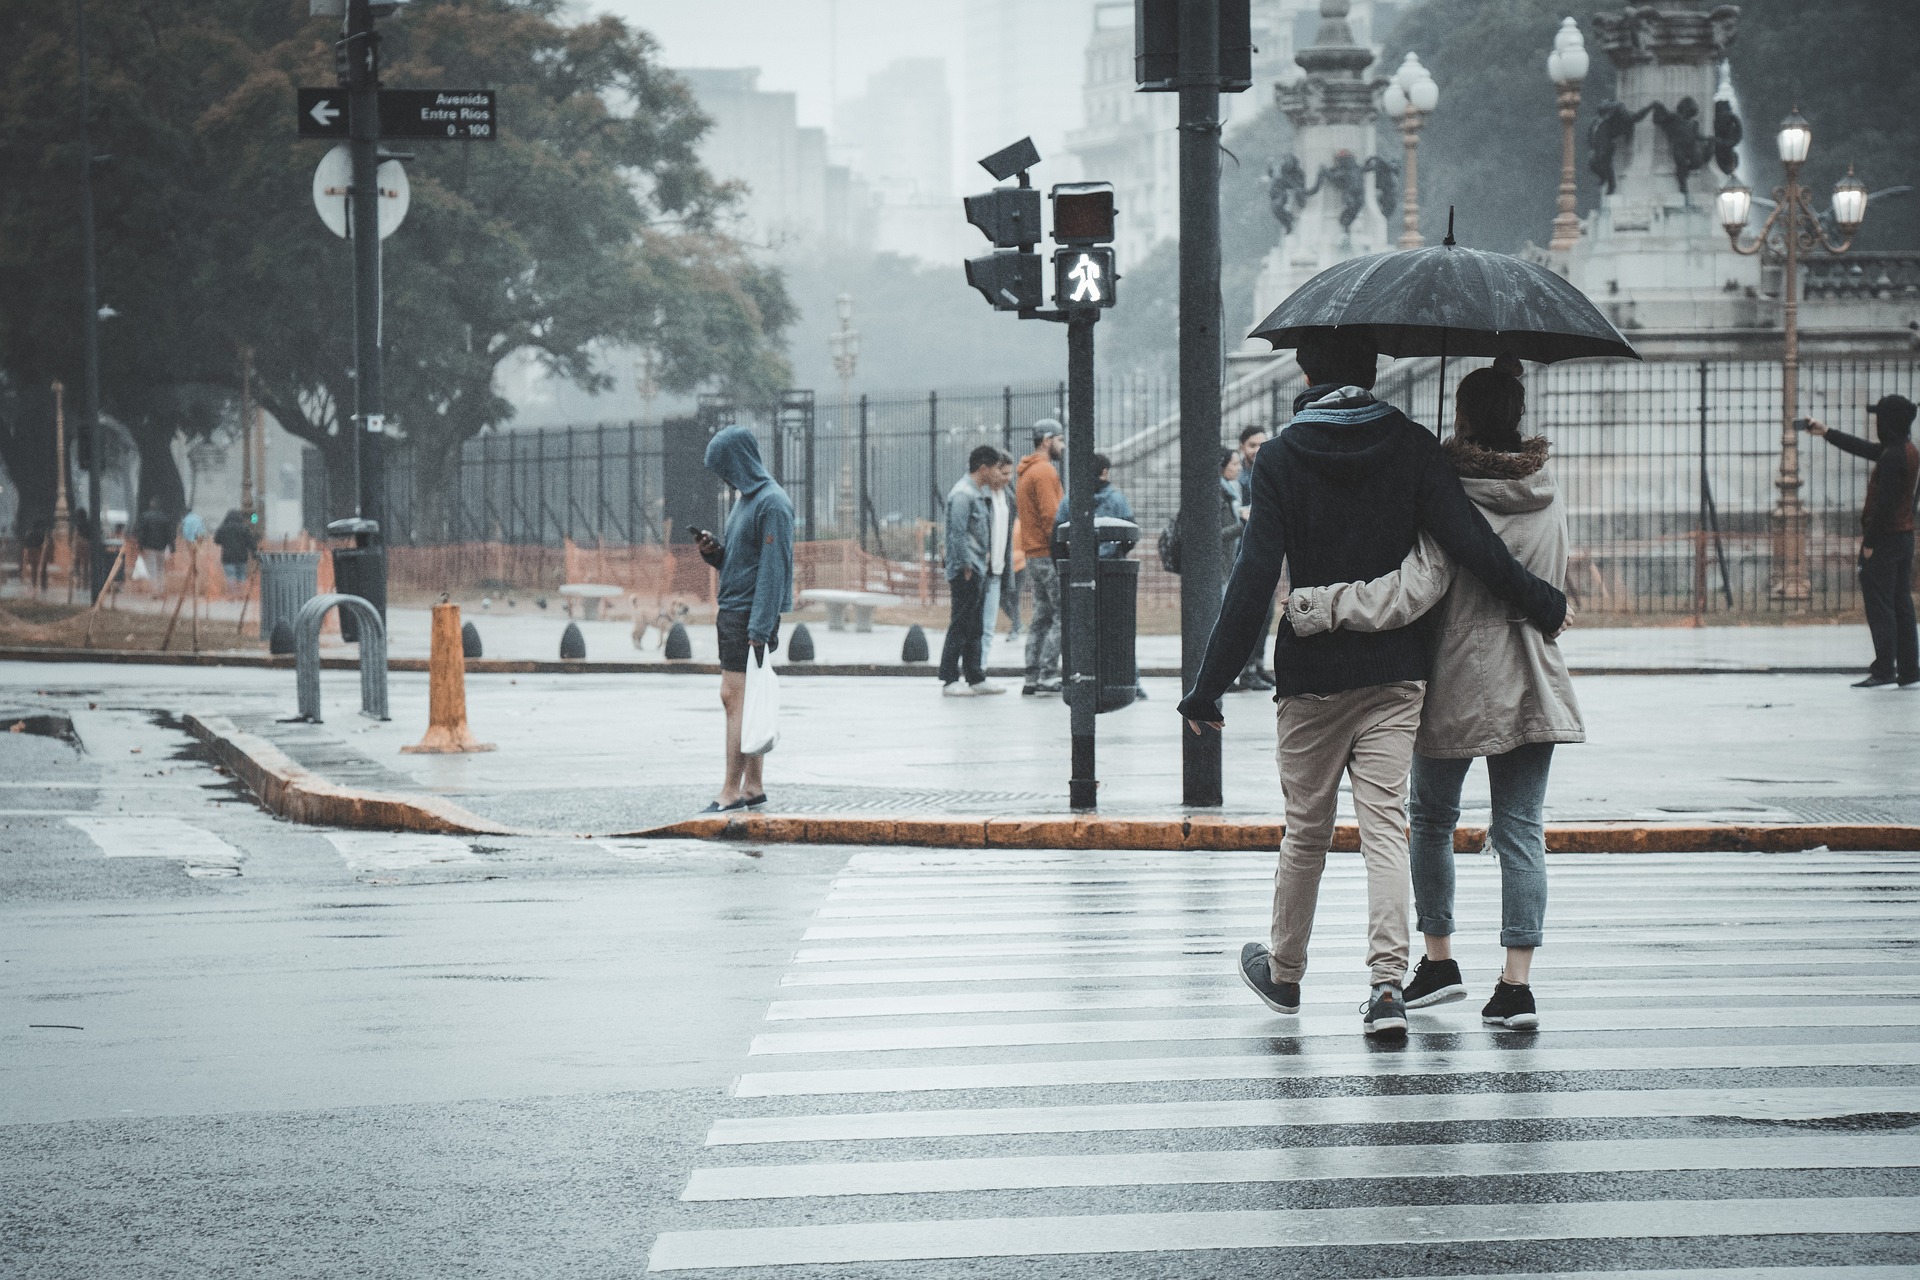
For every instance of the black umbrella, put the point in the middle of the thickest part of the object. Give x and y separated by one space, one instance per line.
1447 300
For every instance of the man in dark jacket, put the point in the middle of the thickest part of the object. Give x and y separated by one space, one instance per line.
1886 540
1340 495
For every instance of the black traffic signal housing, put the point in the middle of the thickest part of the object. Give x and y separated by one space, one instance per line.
1008 216
1082 213
1156 46
1083 277
1009 279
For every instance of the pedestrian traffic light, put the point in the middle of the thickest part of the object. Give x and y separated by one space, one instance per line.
1009 279
1083 278
1008 216
1082 213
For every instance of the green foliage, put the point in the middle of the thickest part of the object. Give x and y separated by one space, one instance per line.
589 222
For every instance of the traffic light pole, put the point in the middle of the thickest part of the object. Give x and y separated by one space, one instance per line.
90 330
1200 582
1083 565
363 93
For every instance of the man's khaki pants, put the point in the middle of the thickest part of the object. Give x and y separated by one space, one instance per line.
1368 734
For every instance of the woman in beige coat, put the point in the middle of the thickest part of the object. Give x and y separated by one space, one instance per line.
1499 689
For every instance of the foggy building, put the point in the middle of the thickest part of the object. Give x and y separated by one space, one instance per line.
1022 79
898 138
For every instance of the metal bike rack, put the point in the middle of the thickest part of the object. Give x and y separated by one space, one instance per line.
373 655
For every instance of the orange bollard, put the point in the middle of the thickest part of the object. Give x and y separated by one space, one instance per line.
447 732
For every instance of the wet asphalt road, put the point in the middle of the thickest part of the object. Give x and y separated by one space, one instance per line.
234 1046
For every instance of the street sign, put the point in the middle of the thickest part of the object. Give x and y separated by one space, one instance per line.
462 114
322 113
333 189
437 113
1083 278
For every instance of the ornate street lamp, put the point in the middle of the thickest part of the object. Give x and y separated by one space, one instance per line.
1409 98
1567 67
1793 226
844 345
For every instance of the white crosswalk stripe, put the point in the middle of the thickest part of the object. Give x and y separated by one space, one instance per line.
1003 1055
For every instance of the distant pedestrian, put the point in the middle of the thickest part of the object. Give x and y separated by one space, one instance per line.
1107 501
1016 585
1037 496
34 529
236 540
1340 497
1255 676
192 527
1886 539
969 547
154 534
754 555
1496 690
1232 526
999 552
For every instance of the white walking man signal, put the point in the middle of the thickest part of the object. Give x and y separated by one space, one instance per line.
1086 279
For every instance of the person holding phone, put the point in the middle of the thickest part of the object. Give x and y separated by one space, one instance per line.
755 558
1886 538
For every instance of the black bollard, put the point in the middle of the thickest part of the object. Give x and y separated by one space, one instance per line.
470 641
678 646
281 641
915 649
573 645
800 645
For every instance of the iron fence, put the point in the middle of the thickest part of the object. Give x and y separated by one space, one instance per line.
1667 469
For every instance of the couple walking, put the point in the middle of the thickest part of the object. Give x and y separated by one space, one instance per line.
1380 526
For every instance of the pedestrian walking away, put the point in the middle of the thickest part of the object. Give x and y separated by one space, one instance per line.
1108 501
969 546
1340 496
1495 690
754 555
236 540
999 552
1037 495
1886 539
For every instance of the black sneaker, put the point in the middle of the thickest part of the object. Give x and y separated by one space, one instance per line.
1385 1014
1873 682
1511 1007
1281 997
1435 982
1041 688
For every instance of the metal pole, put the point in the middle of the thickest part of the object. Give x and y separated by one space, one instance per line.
812 506
90 323
1410 237
1566 222
1791 584
1006 418
933 456
866 501
363 95
1199 372
1083 565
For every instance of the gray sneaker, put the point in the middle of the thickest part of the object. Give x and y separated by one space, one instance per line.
1385 1014
1281 997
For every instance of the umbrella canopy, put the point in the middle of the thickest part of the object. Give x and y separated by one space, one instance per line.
1447 300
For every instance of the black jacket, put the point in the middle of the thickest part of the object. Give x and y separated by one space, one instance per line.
1340 496
1888 509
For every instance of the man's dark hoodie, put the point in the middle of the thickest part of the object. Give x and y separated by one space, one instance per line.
1340 496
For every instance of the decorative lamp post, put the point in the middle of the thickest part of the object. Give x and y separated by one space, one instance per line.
1409 98
1567 67
1793 226
844 344
62 519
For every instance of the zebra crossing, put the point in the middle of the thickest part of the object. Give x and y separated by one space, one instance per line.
1043 1063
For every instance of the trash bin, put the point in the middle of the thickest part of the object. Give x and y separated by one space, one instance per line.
359 570
1115 613
288 579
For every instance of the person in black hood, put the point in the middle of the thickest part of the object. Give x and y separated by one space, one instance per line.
1341 495
1886 539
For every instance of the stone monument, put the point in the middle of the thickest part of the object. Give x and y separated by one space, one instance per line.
1334 198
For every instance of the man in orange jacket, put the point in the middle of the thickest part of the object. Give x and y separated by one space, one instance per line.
1037 494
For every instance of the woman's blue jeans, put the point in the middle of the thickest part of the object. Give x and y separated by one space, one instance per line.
1518 834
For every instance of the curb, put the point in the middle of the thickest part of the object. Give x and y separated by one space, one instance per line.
541 666
1225 834
299 795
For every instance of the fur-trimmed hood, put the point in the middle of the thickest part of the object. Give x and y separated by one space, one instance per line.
1508 483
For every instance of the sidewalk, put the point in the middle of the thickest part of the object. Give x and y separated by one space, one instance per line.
604 753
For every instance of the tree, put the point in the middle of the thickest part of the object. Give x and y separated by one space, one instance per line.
590 221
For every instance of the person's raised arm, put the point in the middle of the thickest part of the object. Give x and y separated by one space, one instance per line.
1464 534
1243 612
1386 603
1855 445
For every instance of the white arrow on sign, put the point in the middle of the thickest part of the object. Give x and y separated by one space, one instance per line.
324 112
333 190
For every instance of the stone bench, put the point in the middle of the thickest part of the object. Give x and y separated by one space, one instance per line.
837 602
590 594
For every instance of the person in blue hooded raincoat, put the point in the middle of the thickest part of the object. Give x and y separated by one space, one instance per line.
754 555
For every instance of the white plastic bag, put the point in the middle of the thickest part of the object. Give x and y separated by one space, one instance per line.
760 714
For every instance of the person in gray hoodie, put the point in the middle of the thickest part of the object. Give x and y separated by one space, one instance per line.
1499 689
755 558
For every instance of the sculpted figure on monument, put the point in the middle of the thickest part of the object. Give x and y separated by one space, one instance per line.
1691 149
1287 191
1386 184
1727 133
1346 176
1614 125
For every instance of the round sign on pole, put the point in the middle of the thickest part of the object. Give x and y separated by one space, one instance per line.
333 190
